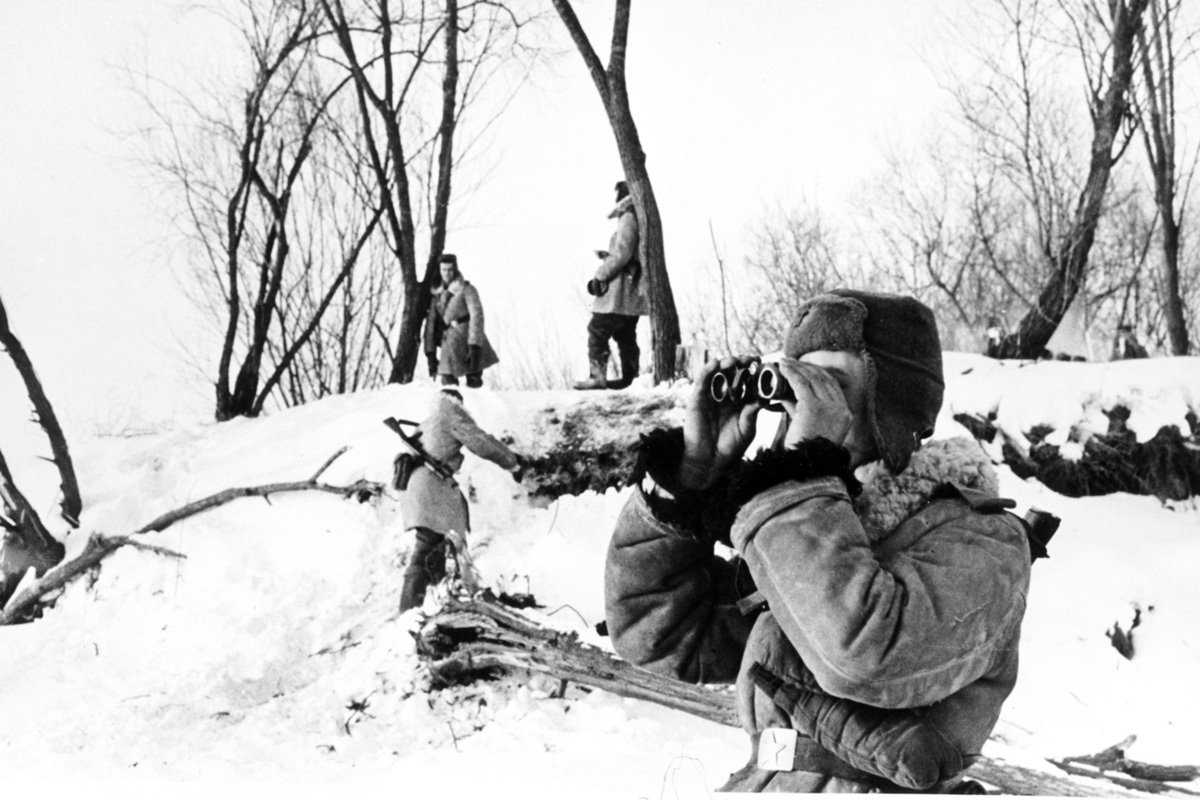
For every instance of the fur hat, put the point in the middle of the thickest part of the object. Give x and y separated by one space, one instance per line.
448 258
898 337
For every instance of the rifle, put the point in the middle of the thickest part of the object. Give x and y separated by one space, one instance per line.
412 443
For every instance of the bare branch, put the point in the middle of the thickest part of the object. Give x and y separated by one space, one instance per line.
71 504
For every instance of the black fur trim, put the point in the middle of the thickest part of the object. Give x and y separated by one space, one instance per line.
659 453
816 458
703 514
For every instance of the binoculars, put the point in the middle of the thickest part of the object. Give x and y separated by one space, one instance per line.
756 382
596 287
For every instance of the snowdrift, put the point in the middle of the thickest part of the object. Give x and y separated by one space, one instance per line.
274 652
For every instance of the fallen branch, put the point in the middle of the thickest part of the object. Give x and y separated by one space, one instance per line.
361 489
469 639
21 605
1141 775
97 548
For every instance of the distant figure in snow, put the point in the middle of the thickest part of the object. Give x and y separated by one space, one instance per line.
619 299
455 324
434 506
1126 345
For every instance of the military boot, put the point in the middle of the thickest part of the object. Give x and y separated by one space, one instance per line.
629 371
597 379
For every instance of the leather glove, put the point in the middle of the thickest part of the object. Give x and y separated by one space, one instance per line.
518 471
432 360
474 357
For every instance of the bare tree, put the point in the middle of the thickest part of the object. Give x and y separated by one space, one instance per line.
928 220
795 254
999 208
26 540
614 95
273 197
1159 53
1105 39
399 72
236 173
268 168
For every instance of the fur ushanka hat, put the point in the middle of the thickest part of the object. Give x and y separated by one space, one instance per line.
898 337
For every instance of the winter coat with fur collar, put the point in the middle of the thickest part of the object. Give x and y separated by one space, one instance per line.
889 626
626 287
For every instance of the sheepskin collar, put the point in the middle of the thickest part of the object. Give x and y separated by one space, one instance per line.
454 288
887 499
625 204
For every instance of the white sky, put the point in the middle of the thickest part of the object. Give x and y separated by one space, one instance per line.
737 109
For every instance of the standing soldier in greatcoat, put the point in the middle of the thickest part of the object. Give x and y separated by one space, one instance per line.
619 293
455 325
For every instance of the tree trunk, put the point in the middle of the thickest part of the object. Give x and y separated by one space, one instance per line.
71 504
26 542
1158 63
1071 259
408 350
610 83
1177 333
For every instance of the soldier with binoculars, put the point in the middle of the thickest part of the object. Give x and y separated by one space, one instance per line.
870 615
755 382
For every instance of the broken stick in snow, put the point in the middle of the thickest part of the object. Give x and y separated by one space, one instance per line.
472 638
467 638
1134 774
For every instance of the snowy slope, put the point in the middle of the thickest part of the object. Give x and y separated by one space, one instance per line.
246 660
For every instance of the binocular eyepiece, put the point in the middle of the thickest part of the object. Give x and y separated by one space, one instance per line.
754 383
597 287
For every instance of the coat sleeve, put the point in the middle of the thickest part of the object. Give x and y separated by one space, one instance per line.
623 248
935 619
470 296
479 441
671 602
431 321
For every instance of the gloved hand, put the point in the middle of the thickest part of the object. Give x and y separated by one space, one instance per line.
432 360
474 358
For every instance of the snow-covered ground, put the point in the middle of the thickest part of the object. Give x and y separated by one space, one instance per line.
274 653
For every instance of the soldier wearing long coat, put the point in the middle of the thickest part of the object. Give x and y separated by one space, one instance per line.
456 345
434 506
618 291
